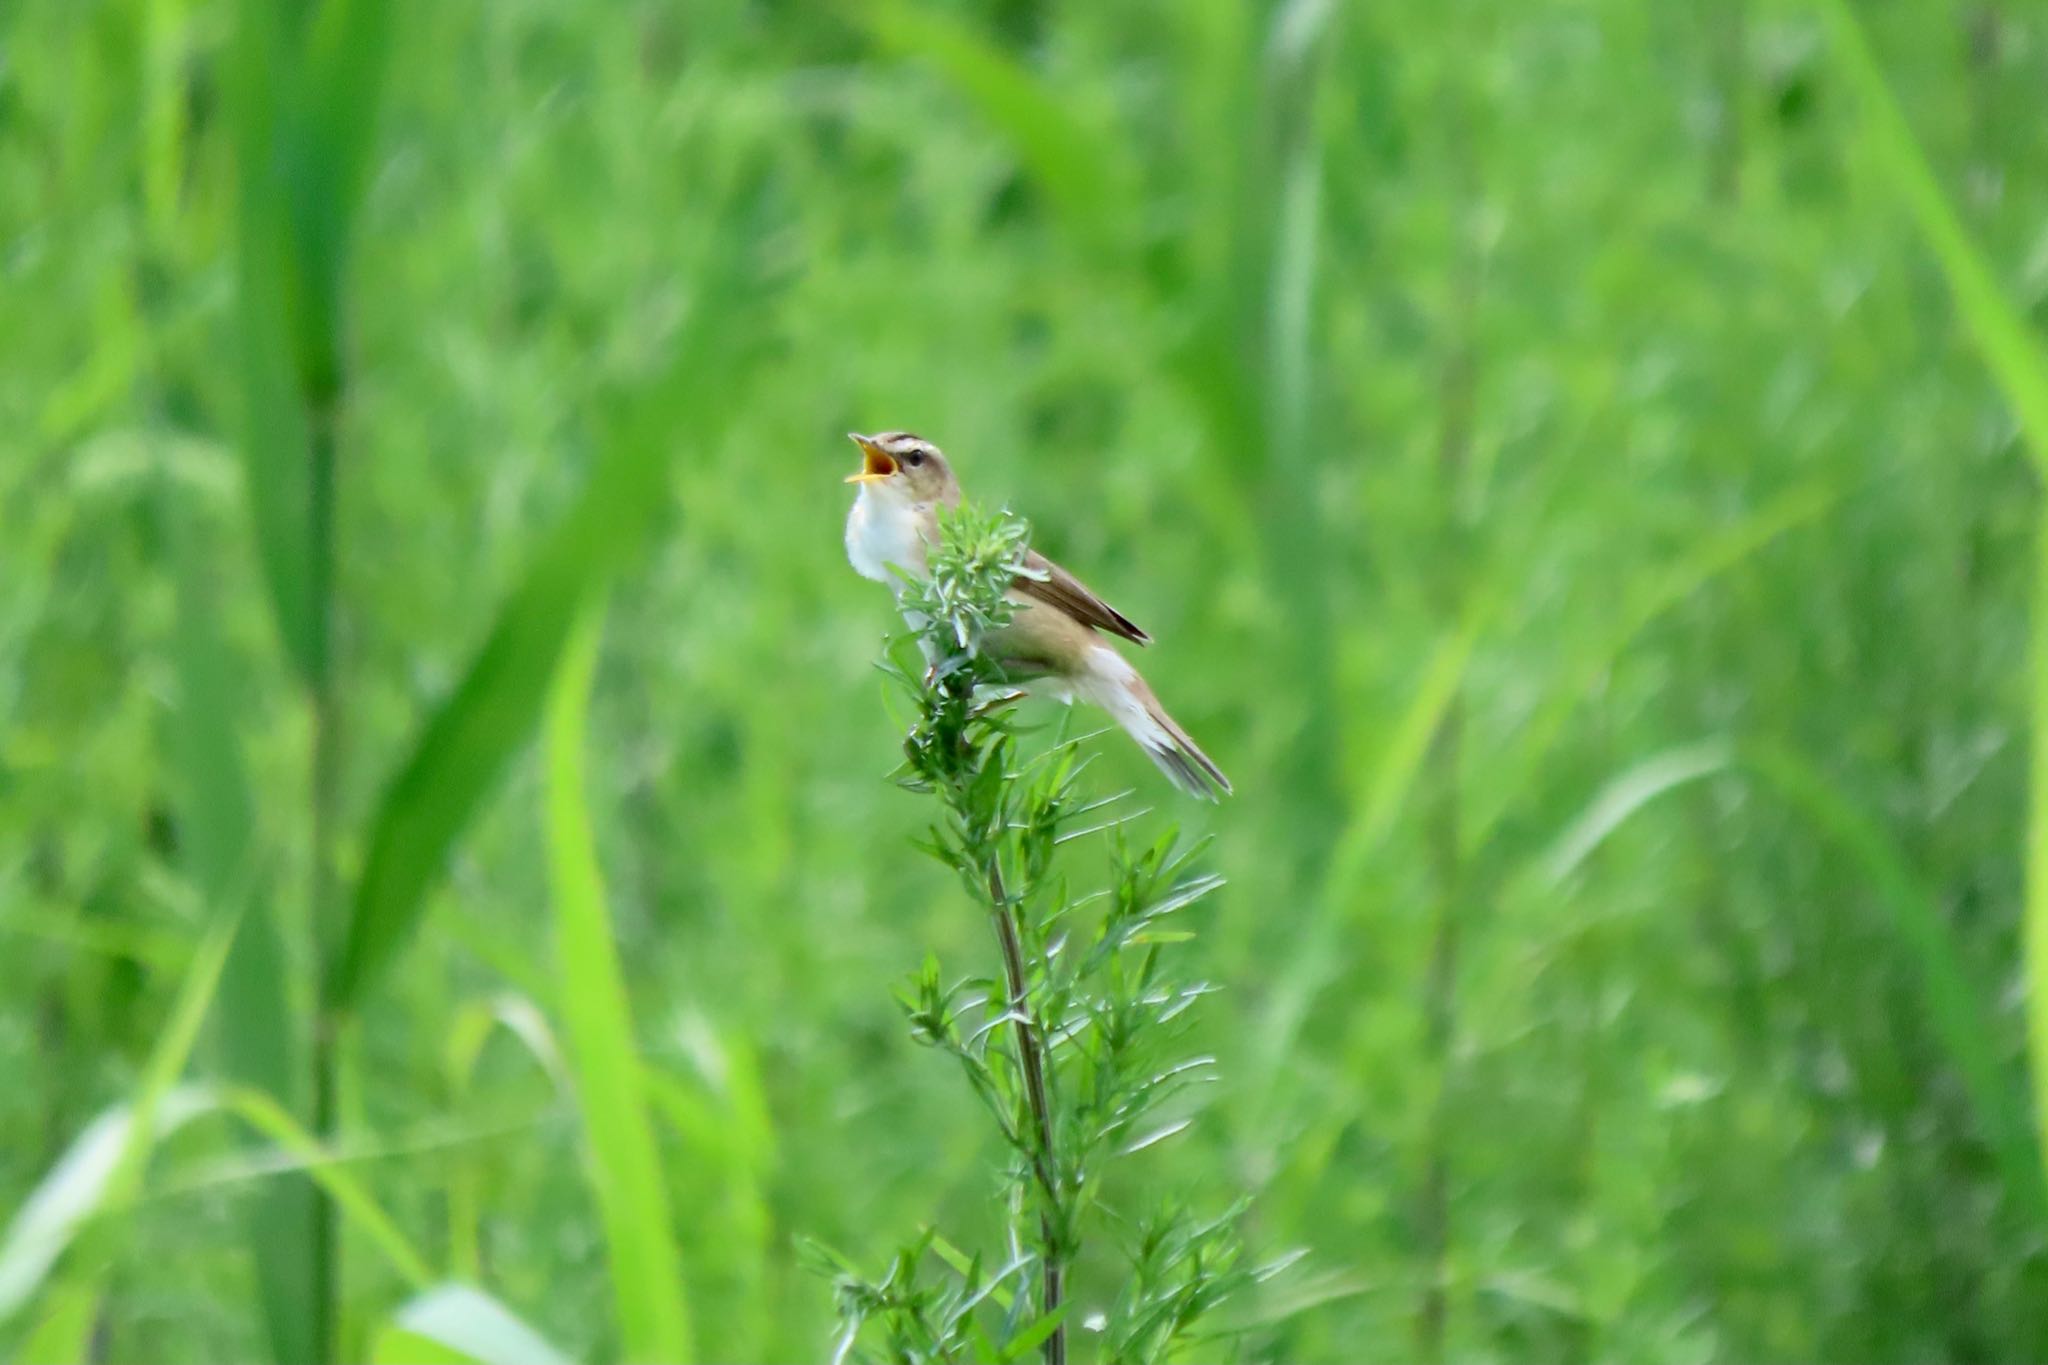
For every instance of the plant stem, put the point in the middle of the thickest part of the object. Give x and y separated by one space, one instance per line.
1031 1060
1446 817
326 1249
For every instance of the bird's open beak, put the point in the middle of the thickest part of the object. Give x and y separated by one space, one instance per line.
876 463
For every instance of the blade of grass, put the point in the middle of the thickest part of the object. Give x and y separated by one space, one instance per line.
1382 789
624 1164
1624 796
276 436
2014 353
304 93
1692 571
1960 1014
63 1332
474 1024
1958 1010
349 1194
76 1189
469 1323
1085 167
2010 348
467 743
258 1034
104 1166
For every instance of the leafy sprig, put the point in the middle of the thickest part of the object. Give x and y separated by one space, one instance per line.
1073 1049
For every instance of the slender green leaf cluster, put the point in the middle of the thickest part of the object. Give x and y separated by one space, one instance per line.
1071 1048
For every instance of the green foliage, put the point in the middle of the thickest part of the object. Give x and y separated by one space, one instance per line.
625 1166
1578 461
1070 1049
2019 361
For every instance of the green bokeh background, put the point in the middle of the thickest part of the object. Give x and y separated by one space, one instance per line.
1564 494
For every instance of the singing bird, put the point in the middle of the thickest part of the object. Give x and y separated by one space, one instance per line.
1050 645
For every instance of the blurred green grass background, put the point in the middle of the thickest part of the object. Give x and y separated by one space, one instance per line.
1569 498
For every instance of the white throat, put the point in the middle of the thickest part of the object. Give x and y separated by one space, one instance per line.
884 529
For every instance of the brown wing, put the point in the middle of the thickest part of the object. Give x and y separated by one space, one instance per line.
1058 588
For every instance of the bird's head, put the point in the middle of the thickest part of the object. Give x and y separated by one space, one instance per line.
898 464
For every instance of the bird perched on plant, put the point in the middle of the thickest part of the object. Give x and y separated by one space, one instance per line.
1051 643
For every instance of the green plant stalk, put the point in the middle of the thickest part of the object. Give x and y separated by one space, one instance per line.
1458 396
2014 354
1032 1062
1066 1101
623 1159
321 892
2036 922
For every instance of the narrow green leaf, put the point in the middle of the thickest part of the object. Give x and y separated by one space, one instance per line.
624 1163
467 743
276 440
2014 353
1393 777
1383 789
1030 1338
1958 1010
1627 794
474 1024
257 1030
1700 565
1086 169
63 1331
2010 347
77 1188
469 1324
349 1194
103 1167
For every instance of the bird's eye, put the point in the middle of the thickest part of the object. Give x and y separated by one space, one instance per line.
914 458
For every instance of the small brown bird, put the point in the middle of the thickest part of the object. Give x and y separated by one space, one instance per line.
1050 644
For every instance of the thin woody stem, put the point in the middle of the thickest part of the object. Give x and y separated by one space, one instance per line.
1031 1059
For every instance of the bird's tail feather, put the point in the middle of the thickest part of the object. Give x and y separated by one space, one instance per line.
1111 683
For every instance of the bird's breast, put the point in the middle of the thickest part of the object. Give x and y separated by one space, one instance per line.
880 533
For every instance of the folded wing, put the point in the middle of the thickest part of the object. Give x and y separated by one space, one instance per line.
1058 588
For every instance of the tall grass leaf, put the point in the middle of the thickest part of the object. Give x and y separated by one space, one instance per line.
1084 166
467 743
77 1188
1959 1012
2010 347
474 1024
275 438
625 1166
103 1166
258 1034
2015 355
62 1334
279 322
147 946
470 1324
1627 794
517 1016
1293 66
2036 836
345 55
1382 788
731 1151
350 1195
1704 562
